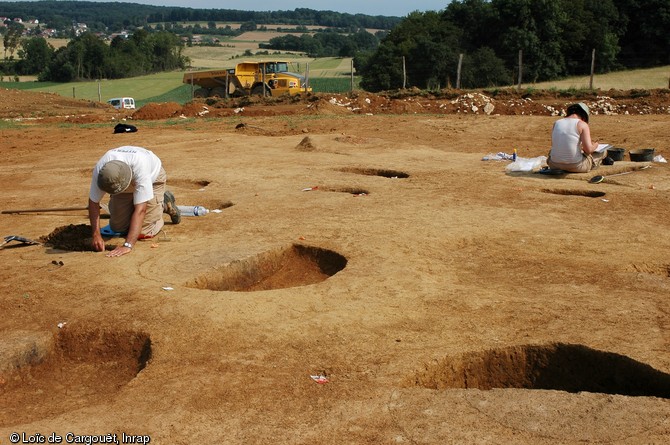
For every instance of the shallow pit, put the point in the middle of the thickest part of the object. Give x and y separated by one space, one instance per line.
563 367
43 375
566 192
296 265
662 270
391 174
188 184
356 191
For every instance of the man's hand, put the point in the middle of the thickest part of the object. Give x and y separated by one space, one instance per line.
119 251
94 218
98 242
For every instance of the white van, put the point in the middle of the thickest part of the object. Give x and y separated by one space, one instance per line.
122 102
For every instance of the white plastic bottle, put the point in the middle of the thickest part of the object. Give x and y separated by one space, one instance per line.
192 210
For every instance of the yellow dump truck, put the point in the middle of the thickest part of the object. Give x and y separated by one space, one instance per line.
248 78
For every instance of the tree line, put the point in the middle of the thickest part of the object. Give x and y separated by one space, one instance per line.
89 57
482 40
326 44
556 39
114 17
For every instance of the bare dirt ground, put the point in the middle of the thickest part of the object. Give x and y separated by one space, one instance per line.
367 277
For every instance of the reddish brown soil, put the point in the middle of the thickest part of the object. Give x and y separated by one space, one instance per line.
444 299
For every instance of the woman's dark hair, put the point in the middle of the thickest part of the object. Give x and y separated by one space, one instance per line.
579 111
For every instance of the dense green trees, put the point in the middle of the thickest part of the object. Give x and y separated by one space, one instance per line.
117 16
555 37
325 44
429 47
89 57
11 39
35 55
646 23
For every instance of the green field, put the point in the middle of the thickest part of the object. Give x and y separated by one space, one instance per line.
163 87
645 79
326 75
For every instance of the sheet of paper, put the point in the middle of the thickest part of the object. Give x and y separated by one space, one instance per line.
603 147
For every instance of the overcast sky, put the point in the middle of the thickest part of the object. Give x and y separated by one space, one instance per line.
397 8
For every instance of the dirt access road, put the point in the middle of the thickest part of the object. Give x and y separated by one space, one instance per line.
368 279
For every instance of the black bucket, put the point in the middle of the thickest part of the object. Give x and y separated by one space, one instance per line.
616 153
642 155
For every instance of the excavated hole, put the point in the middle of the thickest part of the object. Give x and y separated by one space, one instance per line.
294 266
73 237
662 270
393 174
75 368
352 190
187 183
586 193
558 366
217 205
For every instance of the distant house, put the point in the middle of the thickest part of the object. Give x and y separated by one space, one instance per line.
123 34
80 28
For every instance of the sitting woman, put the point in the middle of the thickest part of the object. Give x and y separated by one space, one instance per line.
571 147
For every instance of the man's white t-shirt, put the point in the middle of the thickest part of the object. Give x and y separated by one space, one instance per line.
145 165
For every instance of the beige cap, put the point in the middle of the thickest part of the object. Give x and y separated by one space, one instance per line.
115 177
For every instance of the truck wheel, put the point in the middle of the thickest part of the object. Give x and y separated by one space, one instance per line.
201 93
258 91
219 92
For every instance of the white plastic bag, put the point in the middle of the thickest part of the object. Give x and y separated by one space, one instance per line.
526 164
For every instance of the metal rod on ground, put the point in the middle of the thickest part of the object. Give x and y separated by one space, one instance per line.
56 209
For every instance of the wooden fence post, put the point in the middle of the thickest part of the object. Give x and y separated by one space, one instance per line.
520 69
458 71
404 73
593 67
352 75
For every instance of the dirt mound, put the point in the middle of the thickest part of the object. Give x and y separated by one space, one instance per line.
157 111
24 105
306 144
72 237
46 106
